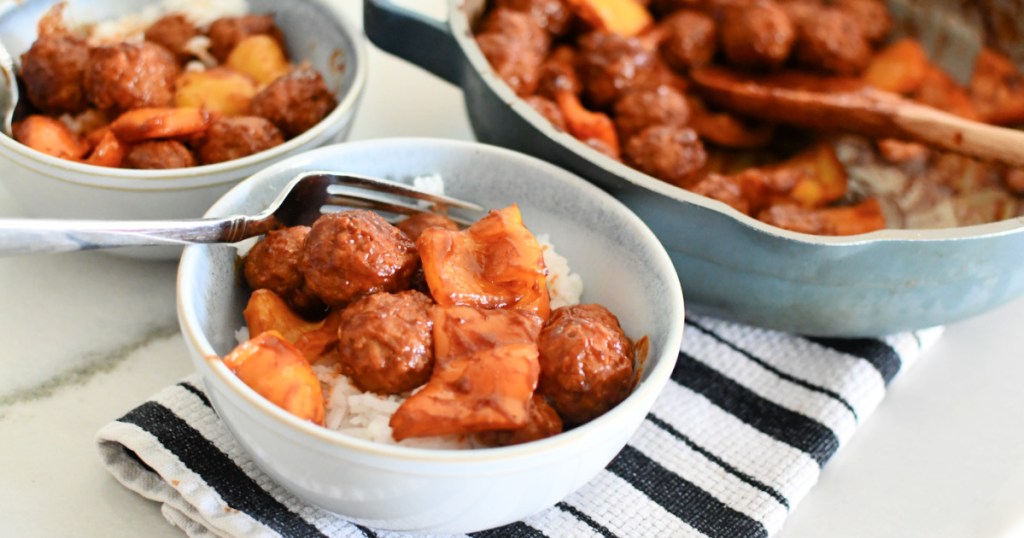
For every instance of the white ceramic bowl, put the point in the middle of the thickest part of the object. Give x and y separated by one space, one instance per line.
49 187
622 265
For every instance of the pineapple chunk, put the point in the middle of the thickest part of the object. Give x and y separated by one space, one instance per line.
495 263
276 370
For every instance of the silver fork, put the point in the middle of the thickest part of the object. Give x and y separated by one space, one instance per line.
304 199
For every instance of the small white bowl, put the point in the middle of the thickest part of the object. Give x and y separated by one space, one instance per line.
622 264
46 186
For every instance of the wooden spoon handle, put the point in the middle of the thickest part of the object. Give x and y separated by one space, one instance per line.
849 105
944 130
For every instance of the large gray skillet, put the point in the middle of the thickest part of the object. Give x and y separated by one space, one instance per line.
733 266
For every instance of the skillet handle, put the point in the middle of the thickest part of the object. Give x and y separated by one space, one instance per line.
414 37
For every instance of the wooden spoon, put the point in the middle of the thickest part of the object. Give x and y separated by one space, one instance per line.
846 104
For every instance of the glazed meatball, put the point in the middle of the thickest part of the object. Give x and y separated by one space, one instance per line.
756 35
610 65
273 264
690 40
514 65
354 253
236 137
829 39
518 25
172 32
871 15
414 225
295 102
557 74
385 343
664 7
226 32
514 45
53 71
551 15
672 154
586 362
128 75
158 154
661 74
726 189
542 422
637 110
549 109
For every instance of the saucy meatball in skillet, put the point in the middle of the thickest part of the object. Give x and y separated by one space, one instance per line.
628 79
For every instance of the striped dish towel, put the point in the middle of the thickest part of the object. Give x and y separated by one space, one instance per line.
737 438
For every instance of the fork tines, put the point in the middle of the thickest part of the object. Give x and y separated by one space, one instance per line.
354 191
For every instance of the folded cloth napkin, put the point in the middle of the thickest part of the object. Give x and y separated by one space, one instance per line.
736 439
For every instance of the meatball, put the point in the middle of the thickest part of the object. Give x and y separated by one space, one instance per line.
385 343
520 26
158 154
52 71
551 15
871 15
690 40
557 74
236 137
226 32
273 264
127 75
549 109
515 45
586 362
726 189
542 422
665 7
830 39
637 110
172 32
354 253
672 154
295 102
514 65
610 65
756 35
414 225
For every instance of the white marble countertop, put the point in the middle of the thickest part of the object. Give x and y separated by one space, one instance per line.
89 336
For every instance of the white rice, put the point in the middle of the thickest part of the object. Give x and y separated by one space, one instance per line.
203 12
564 286
130 27
366 415
433 183
199 46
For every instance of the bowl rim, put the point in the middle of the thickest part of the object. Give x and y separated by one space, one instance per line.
206 174
462 33
643 394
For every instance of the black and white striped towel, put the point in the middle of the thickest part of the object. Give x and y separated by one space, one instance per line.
737 438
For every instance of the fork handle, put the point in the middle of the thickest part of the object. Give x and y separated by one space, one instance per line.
37 236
